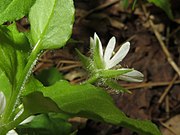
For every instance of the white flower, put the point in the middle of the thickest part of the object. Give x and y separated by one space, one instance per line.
110 61
2 102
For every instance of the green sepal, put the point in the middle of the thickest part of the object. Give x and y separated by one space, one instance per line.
112 73
117 87
85 61
97 58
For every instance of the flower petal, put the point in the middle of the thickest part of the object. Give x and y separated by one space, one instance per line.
96 39
19 113
133 76
2 102
92 44
12 132
27 120
109 50
121 53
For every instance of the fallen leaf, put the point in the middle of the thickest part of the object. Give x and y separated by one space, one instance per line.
171 127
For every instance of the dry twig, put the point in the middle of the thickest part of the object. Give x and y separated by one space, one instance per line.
169 128
163 46
147 85
167 89
99 8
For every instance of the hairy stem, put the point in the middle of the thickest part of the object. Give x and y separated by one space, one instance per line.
7 127
6 118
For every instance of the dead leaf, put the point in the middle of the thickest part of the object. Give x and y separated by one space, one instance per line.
172 126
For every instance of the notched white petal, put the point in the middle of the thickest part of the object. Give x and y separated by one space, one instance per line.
133 76
29 119
2 102
109 49
121 53
95 36
19 113
12 132
135 73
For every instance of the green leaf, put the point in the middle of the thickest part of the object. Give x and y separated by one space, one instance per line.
91 102
13 57
125 3
134 3
36 103
22 47
47 124
19 39
8 57
112 73
11 10
80 99
13 60
164 5
31 86
143 127
51 23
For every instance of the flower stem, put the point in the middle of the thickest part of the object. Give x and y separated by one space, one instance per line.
91 80
7 127
16 92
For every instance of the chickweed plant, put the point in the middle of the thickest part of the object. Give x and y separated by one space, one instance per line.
26 103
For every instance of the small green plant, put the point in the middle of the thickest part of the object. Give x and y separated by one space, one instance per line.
24 99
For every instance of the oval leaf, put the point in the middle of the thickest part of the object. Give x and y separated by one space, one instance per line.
12 54
51 23
91 102
80 99
36 103
11 10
